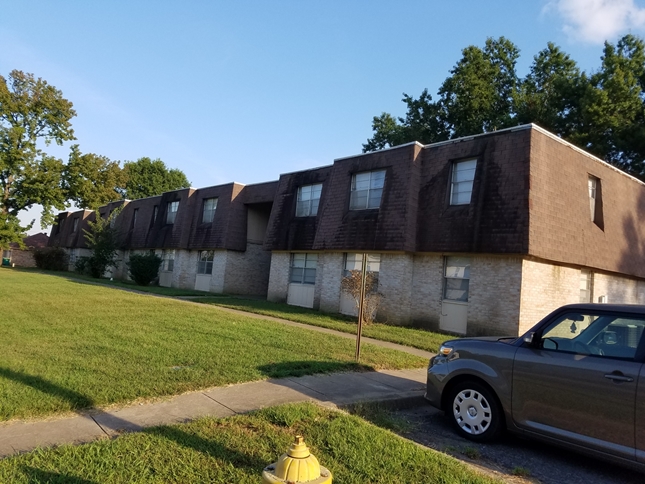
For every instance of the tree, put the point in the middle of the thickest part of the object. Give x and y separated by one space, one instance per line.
479 95
32 113
147 178
550 95
92 180
613 116
102 241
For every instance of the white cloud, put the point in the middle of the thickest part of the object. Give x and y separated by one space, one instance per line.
595 21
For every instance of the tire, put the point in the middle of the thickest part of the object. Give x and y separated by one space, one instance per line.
475 412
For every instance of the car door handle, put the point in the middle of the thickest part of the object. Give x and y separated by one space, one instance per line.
618 377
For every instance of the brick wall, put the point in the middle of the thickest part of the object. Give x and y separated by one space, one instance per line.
427 288
278 277
248 272
395 284
617 289
494 295
330 265
22 258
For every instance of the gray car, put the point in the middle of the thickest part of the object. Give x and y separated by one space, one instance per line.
575 379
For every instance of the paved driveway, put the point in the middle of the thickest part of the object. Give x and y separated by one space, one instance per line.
546 464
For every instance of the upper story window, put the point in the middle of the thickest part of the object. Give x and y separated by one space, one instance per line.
208 212
75 226
461 188
155 210
308 200
172 212
112 218
367 189
134 216
595 201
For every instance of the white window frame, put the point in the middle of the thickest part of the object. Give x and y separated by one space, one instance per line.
593 193
168 260
205 262
456 279
308 200
367 190
461 183
171 215
302 269
208 210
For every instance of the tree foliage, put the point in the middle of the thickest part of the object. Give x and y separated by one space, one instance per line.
603 112
102 241
92 180
147 178
144 268
32 114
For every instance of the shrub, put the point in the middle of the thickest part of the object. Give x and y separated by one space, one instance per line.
51 259
101 239
144 268
351 284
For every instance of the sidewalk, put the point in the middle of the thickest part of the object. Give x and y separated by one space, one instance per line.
333 389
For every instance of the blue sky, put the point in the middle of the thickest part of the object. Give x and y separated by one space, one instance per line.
246 90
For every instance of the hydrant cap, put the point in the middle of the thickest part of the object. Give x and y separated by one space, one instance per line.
299 449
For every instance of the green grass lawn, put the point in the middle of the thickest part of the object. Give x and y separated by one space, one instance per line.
417 338
236 449
67 345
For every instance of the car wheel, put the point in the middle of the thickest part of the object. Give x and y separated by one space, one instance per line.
474 411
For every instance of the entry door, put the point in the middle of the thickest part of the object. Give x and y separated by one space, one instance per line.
454 317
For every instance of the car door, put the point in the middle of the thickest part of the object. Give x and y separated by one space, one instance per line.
577 382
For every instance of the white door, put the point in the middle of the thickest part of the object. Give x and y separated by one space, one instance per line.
165 279
348 304
203 282
454 316
301 295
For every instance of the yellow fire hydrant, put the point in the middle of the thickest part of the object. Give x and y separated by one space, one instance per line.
297 466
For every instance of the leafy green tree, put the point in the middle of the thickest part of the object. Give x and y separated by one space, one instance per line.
613 109
103 243
147 178
479 95
92 180
32 113
550 95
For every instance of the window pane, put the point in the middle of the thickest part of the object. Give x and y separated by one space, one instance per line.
296 275
314 206
458 267
311 260
298 260
310 276
375 198
358 200
377 179
373 262
463 174
361 181
456 290
302 209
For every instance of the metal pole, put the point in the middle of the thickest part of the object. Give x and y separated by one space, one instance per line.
361 308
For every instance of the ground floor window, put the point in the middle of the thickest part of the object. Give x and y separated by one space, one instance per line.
456 278
73 255
205 264
354 262
586 281
168 260
303 268
6 254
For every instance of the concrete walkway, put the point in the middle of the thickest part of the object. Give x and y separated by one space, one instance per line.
334 389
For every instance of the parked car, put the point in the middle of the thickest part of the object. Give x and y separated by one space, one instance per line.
575 379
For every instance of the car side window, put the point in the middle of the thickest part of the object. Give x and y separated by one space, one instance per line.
612 336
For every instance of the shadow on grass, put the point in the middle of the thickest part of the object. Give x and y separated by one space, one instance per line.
211 448
38 476
301 368
75 399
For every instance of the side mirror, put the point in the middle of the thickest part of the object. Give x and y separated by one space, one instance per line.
528 338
